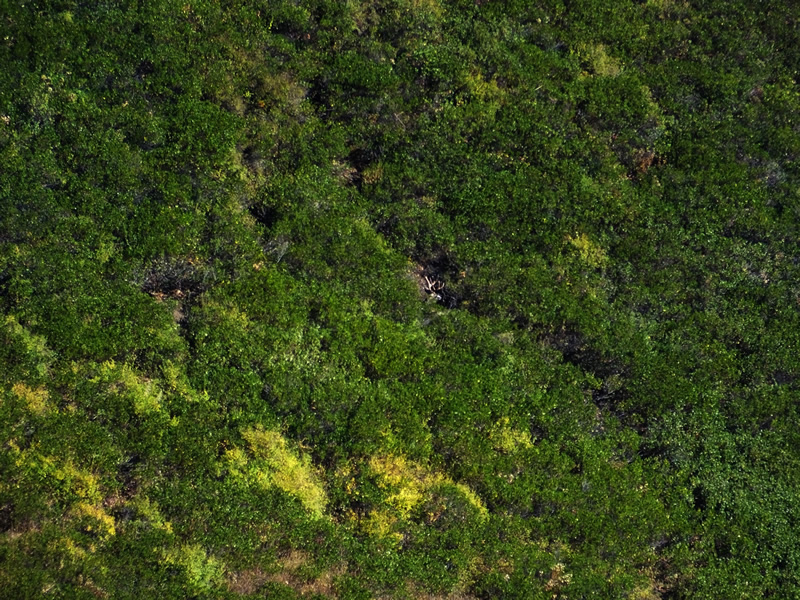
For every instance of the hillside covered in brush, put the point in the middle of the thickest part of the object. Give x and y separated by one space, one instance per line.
394 299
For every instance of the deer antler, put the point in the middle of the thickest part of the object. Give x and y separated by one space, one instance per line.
433 286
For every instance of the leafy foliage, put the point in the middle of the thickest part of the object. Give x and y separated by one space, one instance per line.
406 298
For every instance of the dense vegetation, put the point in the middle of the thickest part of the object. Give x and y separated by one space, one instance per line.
399 299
